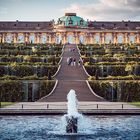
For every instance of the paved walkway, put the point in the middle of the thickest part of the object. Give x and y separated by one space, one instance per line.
71 77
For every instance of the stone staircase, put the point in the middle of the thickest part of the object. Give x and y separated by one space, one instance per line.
71 77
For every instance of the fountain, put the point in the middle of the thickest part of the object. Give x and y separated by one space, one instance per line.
72 126
72 115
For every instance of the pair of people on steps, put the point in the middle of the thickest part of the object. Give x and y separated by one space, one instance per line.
72 61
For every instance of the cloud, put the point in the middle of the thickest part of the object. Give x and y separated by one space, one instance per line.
108 10
3 10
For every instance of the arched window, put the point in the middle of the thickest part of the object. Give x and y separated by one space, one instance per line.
108 38
32 38
58 39
9 38
20 38
82 39
70 39
97 38
120 38
132 38
43 39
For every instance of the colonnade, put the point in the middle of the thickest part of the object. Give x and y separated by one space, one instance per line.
77 37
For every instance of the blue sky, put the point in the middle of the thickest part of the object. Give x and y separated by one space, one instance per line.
45 10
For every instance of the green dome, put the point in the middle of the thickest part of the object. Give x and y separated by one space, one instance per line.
70 19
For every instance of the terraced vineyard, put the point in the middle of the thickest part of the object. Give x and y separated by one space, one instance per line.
26 70
114 70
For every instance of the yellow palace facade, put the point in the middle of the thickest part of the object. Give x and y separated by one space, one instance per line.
70 29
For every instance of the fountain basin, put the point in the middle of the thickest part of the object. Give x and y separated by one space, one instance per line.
50 127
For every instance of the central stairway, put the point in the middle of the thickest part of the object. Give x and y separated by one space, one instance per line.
71 77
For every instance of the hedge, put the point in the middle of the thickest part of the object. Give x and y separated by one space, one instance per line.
17 91
127 91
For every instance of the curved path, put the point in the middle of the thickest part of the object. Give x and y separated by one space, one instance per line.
71 77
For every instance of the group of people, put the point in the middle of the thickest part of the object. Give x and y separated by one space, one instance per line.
72 61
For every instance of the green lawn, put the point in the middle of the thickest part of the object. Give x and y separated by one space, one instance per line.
135 104
3 104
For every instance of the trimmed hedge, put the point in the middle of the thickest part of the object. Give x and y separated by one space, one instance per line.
111 70
11 91
16 91
28 70
127 91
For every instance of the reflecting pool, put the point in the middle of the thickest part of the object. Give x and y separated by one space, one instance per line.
53 128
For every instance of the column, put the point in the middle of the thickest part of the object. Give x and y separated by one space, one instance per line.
76 38
93 35
26 37
0 38
86 40
64 38
103 38
100 35
52 38
3 37
127 38
114 36
137 38
37 38
49 38
91 38
24 34
15 37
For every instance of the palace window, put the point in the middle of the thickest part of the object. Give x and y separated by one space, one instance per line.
81 22
70 22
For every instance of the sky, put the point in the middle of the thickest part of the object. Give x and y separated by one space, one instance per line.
46 10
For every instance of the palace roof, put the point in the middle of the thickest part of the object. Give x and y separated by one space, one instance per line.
22 25
115 25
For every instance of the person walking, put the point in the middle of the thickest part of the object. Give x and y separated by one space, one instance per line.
68 59
74 61
79 62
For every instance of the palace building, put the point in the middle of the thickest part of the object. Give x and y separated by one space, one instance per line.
70 29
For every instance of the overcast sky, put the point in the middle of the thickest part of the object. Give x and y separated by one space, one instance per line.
45 10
